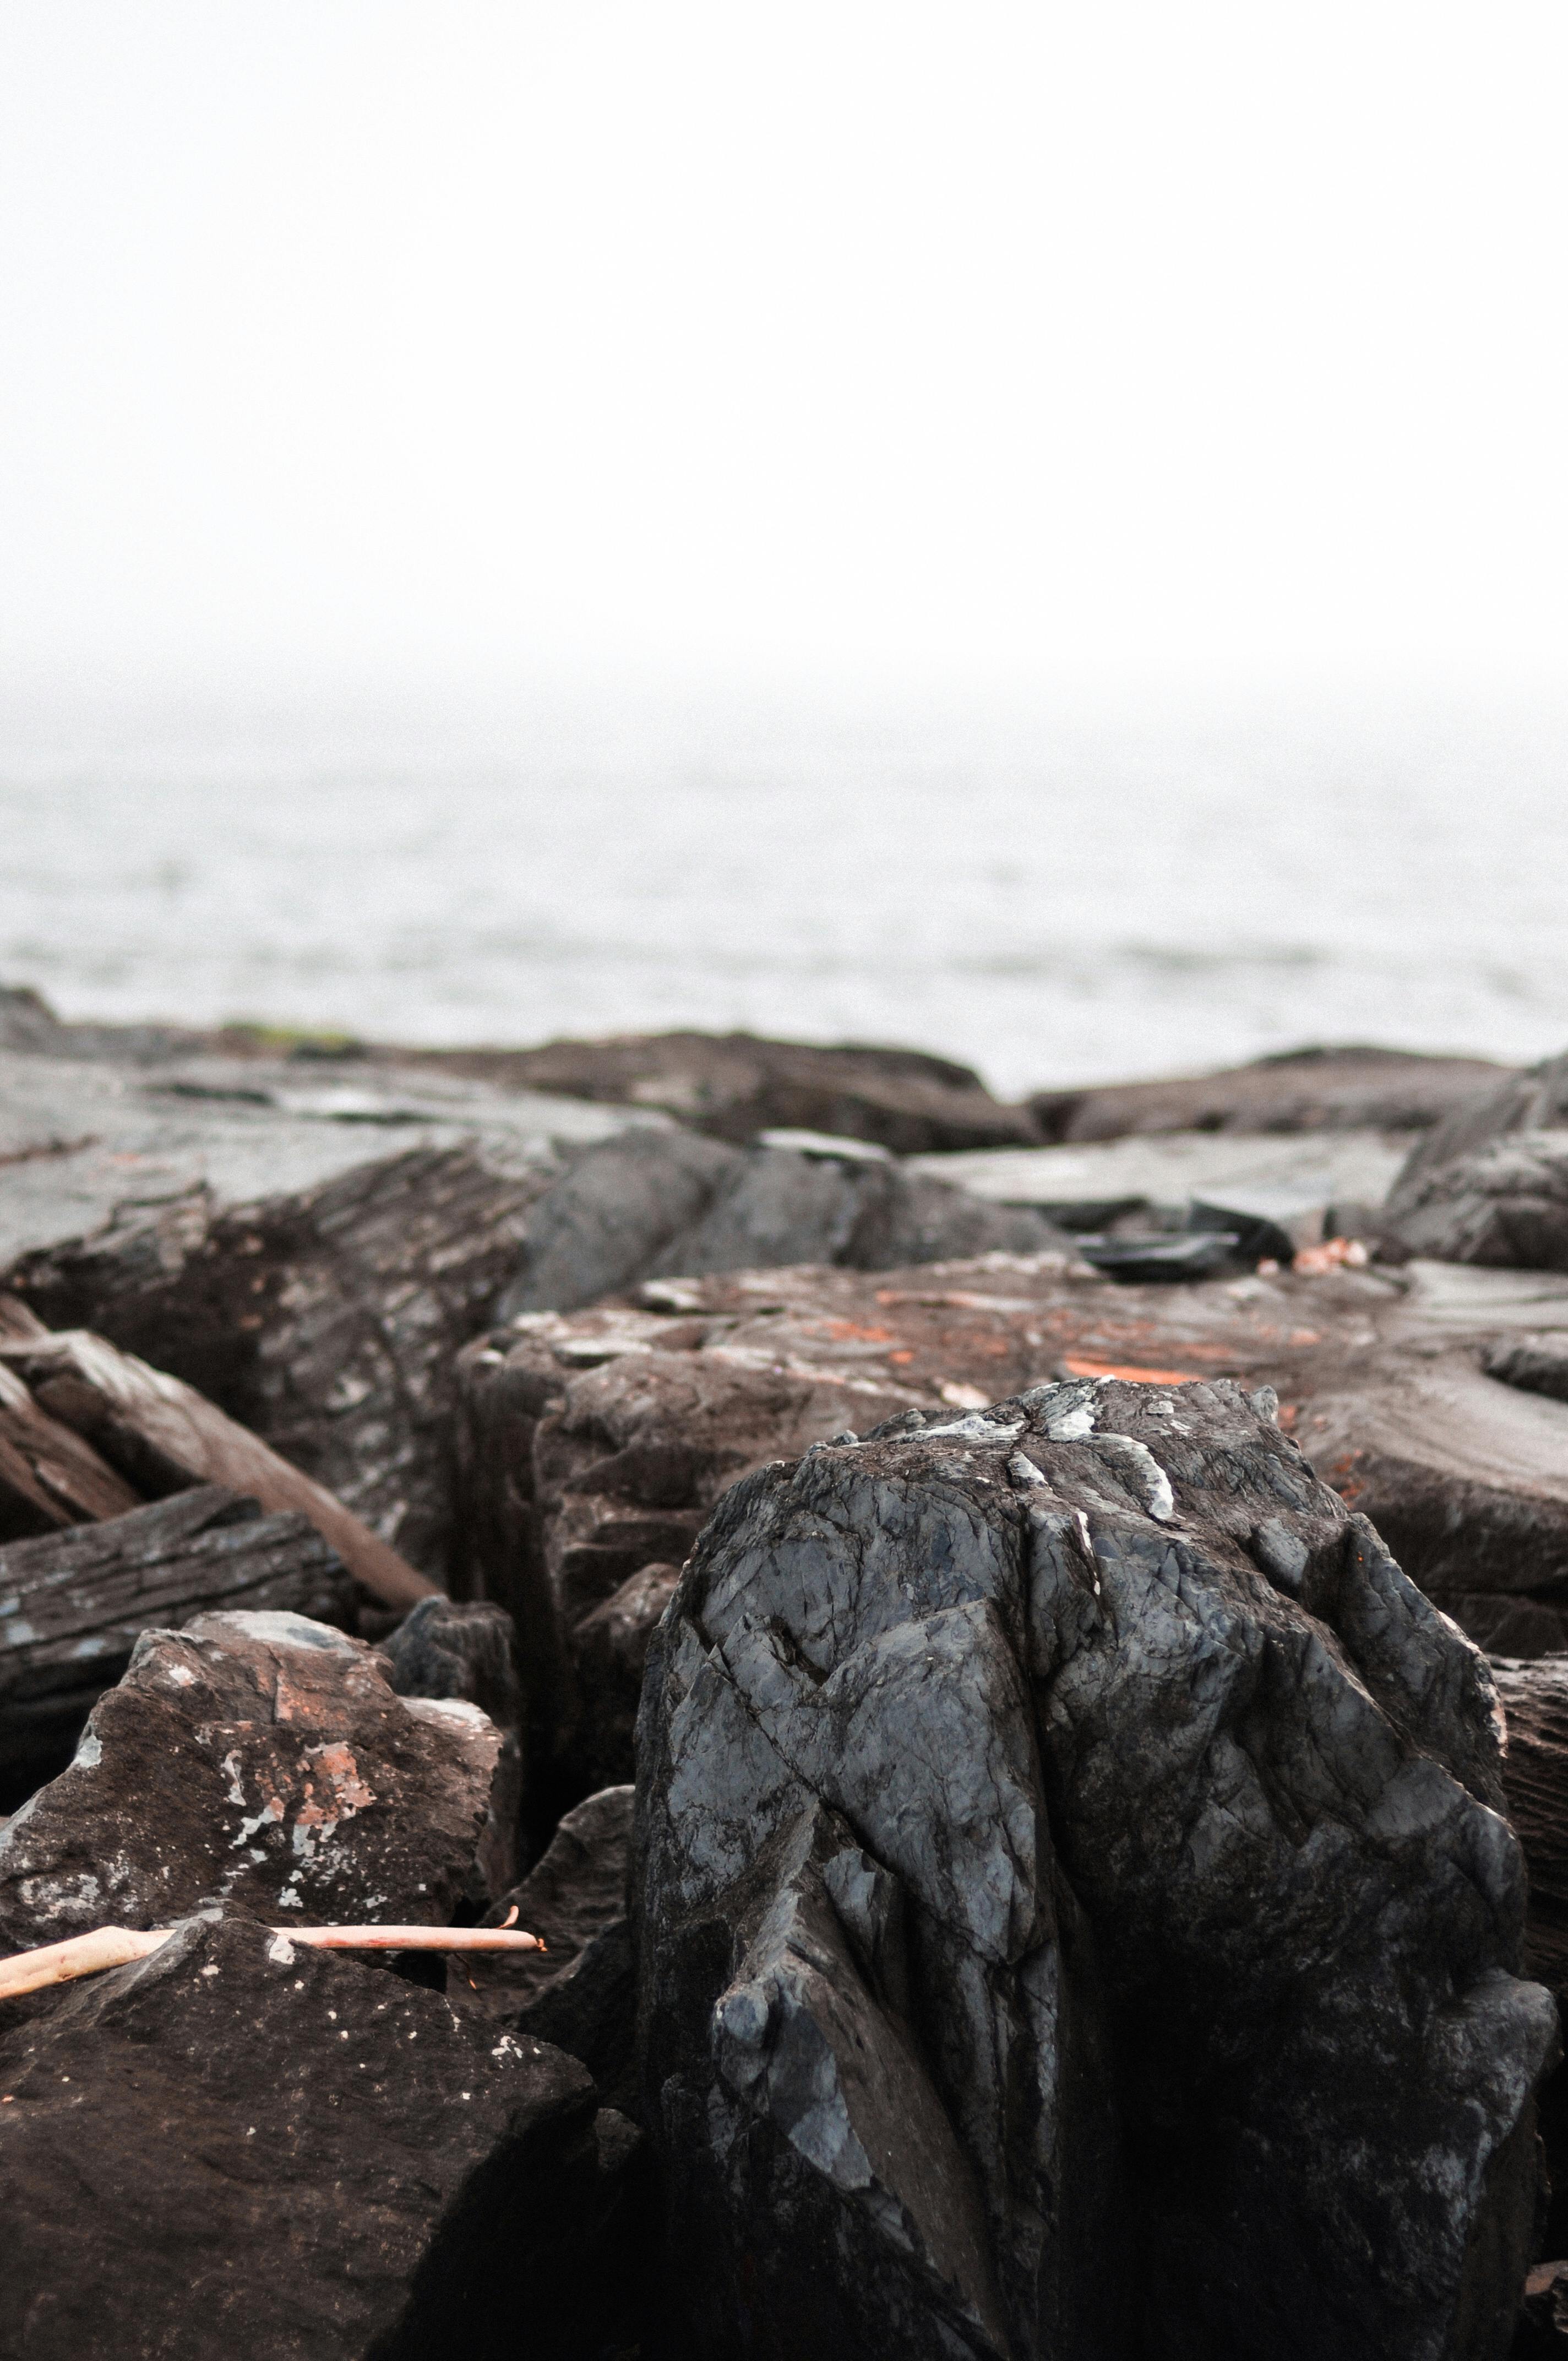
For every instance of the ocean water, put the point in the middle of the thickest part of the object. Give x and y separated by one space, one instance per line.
1053 893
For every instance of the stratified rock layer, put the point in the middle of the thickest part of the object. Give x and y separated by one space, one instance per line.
1073 1913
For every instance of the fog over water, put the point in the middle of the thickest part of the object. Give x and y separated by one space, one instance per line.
1068 363
1051 895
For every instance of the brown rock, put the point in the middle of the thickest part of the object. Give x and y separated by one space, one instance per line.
265 1759
235 2148
1349 1089
733 1085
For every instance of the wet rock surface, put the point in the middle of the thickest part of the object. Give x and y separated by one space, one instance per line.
1490 1184
239 2146
73 1605
263 1759
1029 1801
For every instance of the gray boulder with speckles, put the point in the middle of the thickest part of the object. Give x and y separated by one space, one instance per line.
1074 1914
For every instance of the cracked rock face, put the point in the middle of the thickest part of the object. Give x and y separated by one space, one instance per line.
265 1759
1074 1915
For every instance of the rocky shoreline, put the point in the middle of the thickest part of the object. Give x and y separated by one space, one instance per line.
1014 1655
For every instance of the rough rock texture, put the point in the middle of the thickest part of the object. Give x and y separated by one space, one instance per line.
1487 1185
73 1605
325 1321
444 1649
239 2147
1504 1203
50 1477
1340 1089
594 1445
1072 1915
1534 1695
264 1760
582 1993
733 1085
653 1204
157 1435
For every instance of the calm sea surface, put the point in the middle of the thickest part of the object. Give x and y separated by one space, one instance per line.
1052 897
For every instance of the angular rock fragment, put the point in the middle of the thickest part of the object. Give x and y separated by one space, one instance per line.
265 1759
581 1992
241 2146
1073 1914
73 1605
666 1203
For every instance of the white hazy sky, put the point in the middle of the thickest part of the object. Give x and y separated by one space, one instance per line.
1123 336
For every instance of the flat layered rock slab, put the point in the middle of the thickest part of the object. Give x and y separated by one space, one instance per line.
73 1605
238 2147
1290 1181
1352 1088
79 1136
263 1759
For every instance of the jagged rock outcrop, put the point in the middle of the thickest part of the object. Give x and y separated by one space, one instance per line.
73 1605
265 1759
1073 1912
594 1445
237 2146
1347 1088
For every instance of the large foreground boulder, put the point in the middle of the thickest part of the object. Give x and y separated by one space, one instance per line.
1074 1913
239 2146
594 1445
262 1759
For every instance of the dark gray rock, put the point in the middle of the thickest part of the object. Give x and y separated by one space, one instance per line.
265 1759
610 1648
1073 1915
444 1647
1504 1203
73 1605
665 1203
239 2146
581 1993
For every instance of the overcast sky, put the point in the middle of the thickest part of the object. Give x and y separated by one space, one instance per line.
1131 336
